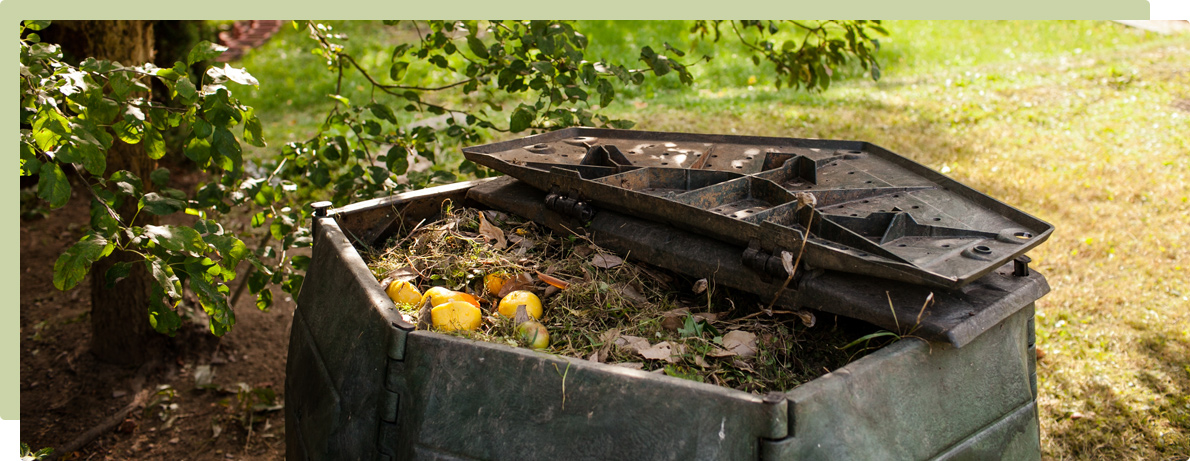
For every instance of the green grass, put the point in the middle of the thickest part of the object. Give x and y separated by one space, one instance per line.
1075 122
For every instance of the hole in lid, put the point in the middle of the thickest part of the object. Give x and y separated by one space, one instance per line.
865 201
1023 235
738 167
714 155
915 207
854 152
902 245
709 165
983 249
540 146
937 219
835 164
747 211
945 245
850 172
867 182
853 214
863 254
896 195
665 163
565 155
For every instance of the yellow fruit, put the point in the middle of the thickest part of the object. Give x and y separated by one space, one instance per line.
534 334
455 316
439 296
402 292
495 281
532 304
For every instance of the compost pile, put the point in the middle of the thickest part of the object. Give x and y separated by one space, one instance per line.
599 306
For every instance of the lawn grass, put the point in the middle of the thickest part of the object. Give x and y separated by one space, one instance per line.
1077 123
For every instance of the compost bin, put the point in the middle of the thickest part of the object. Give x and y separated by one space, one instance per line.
879 234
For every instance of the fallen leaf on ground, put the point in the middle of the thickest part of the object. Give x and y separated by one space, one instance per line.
807 318
673 319
631 343
660 351
631 293
698 360
631 365
203 375
561 284
741 342
700 286
521 282
491 233
404 274
606 261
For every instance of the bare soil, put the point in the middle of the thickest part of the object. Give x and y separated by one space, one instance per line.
65 391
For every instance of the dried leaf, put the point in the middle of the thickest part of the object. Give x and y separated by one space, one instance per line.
423 315
673 319
805 199
594 357
741 342
203 376
660 351
700 286
403 274
630 343
721 353
520 282
606 261
787 261
561 284
583 250
491 233
631 365
807 318
630 293
549 291
706 316
698 360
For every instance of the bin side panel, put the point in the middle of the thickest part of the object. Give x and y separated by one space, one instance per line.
487 401
347 329
912 399
1015 437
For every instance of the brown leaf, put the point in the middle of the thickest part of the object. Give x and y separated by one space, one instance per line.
631 365
707 316
807 318
741 342
660 351
631 343
630 293
491 233
423 315
700 286
522 281
698 360
561 284
674 319
583 250
606 261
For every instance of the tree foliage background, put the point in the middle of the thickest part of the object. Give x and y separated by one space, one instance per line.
505 78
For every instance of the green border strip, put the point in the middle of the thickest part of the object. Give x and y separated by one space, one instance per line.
15 10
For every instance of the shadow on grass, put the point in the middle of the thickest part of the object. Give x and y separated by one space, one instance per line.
1120 423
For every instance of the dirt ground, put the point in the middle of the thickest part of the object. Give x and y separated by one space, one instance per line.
65 391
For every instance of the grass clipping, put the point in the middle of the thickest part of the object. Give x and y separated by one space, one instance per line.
604 308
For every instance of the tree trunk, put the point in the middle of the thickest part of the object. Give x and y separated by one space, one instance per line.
120 329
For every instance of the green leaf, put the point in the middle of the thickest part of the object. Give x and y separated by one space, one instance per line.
176 239
864 339
476 46
522 118
198 150
264 299
213 298
74 263
185 88
382 111
103 111
165 277
126 182
400 50
240 76
204 51
225 144
398 70
252 132
52 185
154 142
202 128
159 177
129 131
163 318
116 273
36 25
342 99
231 249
